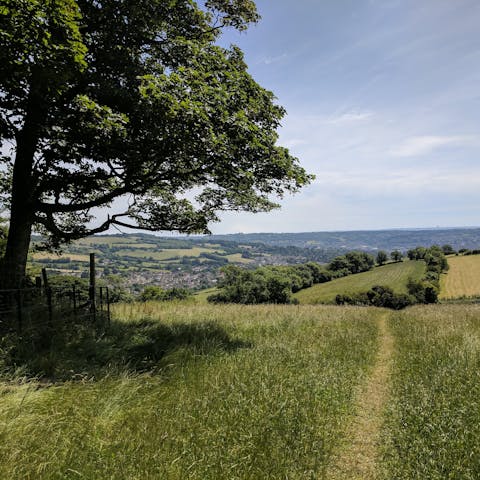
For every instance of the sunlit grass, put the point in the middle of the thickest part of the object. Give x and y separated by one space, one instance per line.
237 392
393 275
432 426
462 279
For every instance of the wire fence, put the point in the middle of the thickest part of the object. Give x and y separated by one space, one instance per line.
42 308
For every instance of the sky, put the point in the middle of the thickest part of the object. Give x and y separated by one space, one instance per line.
383 102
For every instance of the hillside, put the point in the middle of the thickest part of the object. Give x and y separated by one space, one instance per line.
368 240
393 275
145 259
462 279
183 391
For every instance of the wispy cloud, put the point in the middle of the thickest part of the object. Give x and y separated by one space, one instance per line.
403 182
349 117
423 145
275 59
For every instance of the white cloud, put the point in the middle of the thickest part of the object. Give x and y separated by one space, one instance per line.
293 142
276 59
423 145
401 182
349 117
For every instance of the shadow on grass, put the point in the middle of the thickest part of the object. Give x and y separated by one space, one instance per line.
83 351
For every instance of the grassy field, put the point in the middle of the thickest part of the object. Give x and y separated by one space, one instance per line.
167 253
463 277
188 391
202 295
208 393
432 428
72 256
393 275
237 258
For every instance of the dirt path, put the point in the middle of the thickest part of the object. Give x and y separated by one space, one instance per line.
357 459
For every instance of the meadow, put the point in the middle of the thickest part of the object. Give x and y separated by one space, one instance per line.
393 275
432 427
190 391
462 279
207 393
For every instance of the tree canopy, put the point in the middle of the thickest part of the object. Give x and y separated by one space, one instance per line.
132 100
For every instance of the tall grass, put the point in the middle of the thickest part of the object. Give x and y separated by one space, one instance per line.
432 429
233 392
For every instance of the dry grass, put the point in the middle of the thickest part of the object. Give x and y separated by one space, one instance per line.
463 278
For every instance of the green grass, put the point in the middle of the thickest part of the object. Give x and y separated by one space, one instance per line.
202 295
182 391
237 258
393 275
432 428
104 240
191 391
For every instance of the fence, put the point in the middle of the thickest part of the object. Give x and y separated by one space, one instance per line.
36 308
43 307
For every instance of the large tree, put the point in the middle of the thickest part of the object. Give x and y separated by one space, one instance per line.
109 99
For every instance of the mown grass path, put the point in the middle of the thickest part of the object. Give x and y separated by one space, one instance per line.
358 457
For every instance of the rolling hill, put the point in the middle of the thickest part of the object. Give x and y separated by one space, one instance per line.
393 275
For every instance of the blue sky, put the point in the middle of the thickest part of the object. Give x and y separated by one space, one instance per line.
383 102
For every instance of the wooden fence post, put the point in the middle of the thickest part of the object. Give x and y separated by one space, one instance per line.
48 292
74 299
91 290
18 297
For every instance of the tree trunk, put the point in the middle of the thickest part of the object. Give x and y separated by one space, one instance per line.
13 264
22 211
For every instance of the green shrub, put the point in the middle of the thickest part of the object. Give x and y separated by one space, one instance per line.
378 296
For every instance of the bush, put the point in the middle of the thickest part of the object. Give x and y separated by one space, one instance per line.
423 291
353 262
382 257
155 293
264 285
378 296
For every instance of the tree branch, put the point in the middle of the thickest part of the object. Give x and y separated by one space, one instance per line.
49 208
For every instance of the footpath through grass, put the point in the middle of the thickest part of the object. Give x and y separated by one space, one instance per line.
236 392
432 428
180 391
358 458
462 279
393 275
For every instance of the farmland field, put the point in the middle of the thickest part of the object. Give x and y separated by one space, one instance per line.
188 391
462 279
393 275
49 256
167 253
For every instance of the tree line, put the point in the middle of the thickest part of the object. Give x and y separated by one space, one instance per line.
425 290
277 284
